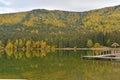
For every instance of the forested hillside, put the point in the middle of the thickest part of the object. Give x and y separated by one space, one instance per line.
44 28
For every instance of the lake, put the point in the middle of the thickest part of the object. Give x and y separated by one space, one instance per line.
56 65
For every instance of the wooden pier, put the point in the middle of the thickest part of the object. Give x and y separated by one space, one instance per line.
104 57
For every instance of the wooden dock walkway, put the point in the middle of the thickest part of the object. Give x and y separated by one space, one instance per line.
104 57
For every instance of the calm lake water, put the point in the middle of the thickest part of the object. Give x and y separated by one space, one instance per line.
56 65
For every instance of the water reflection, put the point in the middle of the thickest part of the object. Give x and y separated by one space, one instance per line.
19 54
28 54
1 52
58 65
9 53
97 52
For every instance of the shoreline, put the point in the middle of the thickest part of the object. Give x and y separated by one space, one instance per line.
104 49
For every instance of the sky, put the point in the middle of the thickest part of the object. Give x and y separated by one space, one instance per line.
11 6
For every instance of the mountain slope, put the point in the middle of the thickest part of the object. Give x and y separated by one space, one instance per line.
62 28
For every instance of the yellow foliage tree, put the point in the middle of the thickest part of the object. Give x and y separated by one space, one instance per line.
9 45
28 44
43 44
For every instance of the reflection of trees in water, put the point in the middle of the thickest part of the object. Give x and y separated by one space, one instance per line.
28 54
1 53
43 53
97 52
19 54
35 53
9 52
90 53
100 67
94 52
15 54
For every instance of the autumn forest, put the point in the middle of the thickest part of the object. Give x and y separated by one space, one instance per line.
60 29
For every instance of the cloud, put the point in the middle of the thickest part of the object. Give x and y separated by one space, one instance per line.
6 10
5 2
68 5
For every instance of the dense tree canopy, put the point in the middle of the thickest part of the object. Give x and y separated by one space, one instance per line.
60 28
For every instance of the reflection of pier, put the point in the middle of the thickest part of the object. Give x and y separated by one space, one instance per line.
109 54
